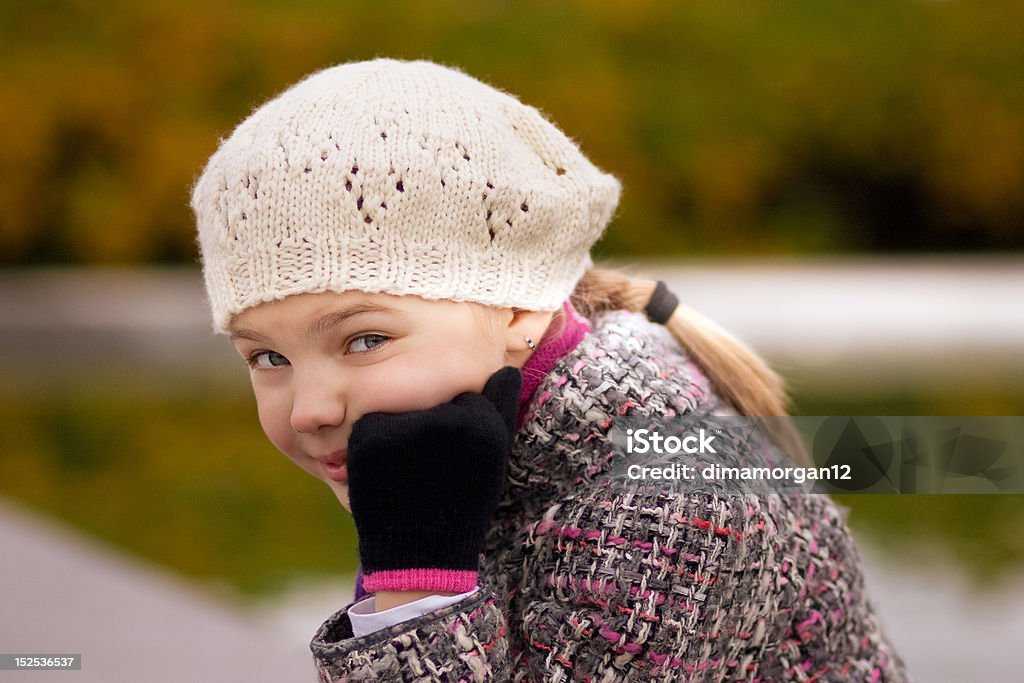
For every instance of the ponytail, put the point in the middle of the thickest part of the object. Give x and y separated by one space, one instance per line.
741 376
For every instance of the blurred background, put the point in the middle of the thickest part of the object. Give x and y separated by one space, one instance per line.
840 184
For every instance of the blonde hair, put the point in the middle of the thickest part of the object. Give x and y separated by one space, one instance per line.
742 377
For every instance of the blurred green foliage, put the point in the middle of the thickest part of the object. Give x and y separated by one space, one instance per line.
190 482
803 126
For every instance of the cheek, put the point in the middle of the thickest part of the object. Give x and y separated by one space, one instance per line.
431 376
275 418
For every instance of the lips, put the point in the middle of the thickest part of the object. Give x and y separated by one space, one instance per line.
333 466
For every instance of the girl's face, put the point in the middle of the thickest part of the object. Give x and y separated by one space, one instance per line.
319 362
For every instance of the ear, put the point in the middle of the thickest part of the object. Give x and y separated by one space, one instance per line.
525 325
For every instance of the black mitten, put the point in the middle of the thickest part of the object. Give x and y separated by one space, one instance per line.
424 487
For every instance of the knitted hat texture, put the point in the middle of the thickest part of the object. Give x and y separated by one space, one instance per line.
402 177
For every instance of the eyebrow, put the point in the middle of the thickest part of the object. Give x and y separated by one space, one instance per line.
320 325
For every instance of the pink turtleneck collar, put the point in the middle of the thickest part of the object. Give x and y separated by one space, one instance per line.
549 352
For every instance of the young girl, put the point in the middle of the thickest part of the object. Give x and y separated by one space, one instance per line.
401 254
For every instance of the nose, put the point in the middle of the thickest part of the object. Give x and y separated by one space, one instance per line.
318 402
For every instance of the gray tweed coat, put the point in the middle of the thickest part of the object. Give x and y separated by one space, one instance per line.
590 576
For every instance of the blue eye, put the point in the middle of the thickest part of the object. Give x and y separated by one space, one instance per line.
266 360
367 343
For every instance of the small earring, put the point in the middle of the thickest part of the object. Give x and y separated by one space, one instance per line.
529 342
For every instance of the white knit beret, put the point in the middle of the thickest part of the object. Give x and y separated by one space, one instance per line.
402 177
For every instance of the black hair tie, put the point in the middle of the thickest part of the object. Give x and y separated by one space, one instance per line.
662 305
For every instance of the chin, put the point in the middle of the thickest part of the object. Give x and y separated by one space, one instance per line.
340 492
